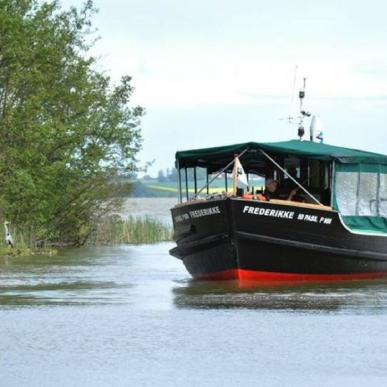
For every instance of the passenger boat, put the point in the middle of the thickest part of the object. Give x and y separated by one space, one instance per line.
334 229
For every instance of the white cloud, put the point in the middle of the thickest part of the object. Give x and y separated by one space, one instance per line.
222 71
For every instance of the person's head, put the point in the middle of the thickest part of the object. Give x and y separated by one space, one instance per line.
271 185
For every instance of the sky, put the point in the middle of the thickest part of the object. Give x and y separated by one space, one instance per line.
217 72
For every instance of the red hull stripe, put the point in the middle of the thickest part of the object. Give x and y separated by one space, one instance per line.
264 276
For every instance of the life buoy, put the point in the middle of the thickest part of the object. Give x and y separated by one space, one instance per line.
248 197
259 197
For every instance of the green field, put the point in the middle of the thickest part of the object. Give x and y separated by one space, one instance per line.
169 189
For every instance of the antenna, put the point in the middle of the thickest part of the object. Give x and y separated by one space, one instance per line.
293 88
290 118
303 113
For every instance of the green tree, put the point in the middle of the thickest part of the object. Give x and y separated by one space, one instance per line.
65 131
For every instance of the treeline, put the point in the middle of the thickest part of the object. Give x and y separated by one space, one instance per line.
170 174
66 132
167 175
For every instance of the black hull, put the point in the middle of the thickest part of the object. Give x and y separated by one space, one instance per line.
244 239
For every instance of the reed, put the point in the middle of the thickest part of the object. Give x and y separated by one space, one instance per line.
110 230
24 244
132 230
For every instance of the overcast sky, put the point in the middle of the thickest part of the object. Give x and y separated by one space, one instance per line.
215 72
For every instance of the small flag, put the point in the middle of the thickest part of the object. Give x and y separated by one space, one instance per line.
239 172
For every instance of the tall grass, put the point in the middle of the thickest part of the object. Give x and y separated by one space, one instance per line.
24 243
108 231
132 230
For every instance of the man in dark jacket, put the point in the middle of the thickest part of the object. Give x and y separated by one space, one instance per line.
271 190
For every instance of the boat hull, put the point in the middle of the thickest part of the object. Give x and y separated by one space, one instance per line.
260 241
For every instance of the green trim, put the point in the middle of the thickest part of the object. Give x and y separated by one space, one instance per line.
366 223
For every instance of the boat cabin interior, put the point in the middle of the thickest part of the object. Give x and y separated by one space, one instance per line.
314 175
350 181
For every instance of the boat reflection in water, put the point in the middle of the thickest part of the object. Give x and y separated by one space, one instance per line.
350 296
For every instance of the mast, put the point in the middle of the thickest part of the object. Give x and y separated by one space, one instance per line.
303 113
315 128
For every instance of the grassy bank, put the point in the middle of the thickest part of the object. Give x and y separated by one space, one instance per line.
24 244
132 230
108 231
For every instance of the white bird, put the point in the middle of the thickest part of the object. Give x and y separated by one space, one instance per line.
8 236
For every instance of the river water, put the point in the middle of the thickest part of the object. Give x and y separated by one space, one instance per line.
131 316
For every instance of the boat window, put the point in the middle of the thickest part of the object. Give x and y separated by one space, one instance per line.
383 196
361 193
201 178
368 188
256 182
346 192
292 167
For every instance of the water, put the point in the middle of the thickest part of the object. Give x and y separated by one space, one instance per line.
131 316
155 207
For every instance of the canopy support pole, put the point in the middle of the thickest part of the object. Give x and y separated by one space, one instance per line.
332 181
179 181
186 183
225 181
219 173
290 177
378 195
235 178
207 184
195 181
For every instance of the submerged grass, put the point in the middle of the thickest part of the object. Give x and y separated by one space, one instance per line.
132 230
23 250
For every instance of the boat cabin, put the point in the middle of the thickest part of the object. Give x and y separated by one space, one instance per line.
349 181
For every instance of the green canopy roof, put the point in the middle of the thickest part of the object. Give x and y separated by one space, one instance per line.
218 157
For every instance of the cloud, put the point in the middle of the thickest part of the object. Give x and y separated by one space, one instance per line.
213 72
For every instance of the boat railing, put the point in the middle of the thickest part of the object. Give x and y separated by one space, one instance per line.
254 198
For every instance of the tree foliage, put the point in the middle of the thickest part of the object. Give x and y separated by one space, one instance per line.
65 131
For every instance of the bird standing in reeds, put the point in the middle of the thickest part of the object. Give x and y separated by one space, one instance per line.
8 236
